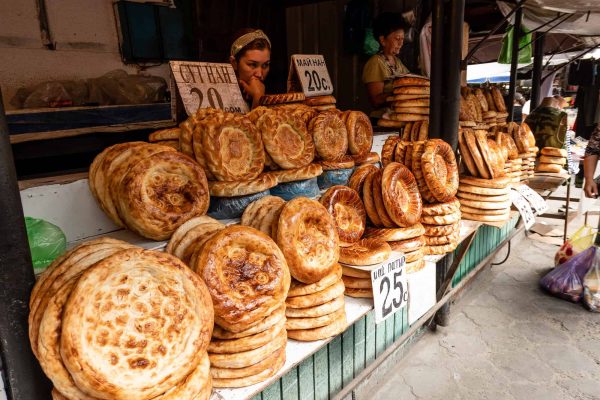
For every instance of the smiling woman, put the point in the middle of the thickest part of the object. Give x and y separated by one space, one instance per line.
250 57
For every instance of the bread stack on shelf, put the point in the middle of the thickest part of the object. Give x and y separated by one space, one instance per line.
393 206
348 212
150 189
321 103
306 234
436 173
525 142
484 189
99 318
409 102
248 280
552 159
482 108
166 137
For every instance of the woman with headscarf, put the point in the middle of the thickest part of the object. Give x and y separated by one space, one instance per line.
250 56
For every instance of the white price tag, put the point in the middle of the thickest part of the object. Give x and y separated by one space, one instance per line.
524 208
204 85
537 202
572 167
311 72
390 291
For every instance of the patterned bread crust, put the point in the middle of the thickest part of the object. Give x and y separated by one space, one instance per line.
281 98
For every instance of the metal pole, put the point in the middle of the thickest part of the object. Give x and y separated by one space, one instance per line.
437 62
22 375
452 72
536 77
513 64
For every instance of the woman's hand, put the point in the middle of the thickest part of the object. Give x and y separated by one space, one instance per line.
254 90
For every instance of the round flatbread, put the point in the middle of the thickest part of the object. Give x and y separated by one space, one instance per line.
407 246
388 150
127 289
380 207
344 162
447 207
286 139
401 195
481 197
319 100
242 188
440 170
411 110
548 168
355 272
369 201
365 252
261 326
395 234
477 210
313 322
360 132
232 346
338 326
366 158
232 148
227 374
390 123
160 193
301 289
496 183
486 217
553 160
441 230
246 274
315 299
317 311
247 358
307 236
359 175
348 212
441 219
554 152
359 293
420 90
465 153
464 187
330 136
404 117
297 174
281 98
473 148
357 283
165 134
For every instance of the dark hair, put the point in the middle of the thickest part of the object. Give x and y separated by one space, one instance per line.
386 23
256 44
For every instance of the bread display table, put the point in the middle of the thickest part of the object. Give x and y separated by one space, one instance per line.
546 183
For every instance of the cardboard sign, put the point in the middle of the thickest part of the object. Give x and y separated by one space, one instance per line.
204 85
308 73
524 208
537 202
390 291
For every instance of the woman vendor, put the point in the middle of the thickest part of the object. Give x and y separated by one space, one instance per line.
382 68
250 56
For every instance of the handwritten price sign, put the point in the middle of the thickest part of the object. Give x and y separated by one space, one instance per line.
521 203
310 71
204 85
390 291
537 202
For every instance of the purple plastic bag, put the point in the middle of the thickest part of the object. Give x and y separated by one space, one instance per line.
566 280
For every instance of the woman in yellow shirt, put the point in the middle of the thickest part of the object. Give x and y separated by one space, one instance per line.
382 68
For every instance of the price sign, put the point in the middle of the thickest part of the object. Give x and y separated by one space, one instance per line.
524 208
308 72
537 202
572 167
390 291
204 85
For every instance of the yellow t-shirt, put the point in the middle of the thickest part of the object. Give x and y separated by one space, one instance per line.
378 69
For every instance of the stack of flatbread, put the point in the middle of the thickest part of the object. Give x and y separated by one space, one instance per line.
248 280
360 137
482 108
149 188
166 137
348 212
409 102
442 226
393 207
552 159
525 143
306 234
512 169
106 322
486 200
321 103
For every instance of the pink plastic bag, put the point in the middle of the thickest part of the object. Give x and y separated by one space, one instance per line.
566 280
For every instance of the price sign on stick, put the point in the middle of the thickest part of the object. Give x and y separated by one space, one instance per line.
309 74
204 85
390 291
524 208
537 202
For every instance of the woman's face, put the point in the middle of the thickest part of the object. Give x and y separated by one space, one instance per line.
253 63
392 43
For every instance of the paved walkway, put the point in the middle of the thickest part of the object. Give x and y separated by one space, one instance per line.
506 340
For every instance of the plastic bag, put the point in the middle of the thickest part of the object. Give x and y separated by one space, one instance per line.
525 46
566 280
591 286
581 240
46 242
